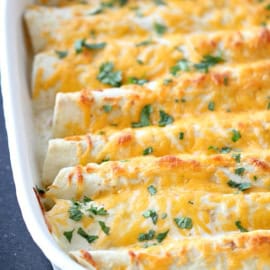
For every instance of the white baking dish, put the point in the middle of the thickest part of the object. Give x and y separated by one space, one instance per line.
15 74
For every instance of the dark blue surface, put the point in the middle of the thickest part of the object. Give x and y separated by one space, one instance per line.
17 249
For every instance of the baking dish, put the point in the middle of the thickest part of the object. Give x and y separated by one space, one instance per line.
15 74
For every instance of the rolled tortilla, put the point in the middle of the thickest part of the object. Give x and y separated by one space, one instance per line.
240 251
76 71
208 214
192 173
59 28
189 94
245 132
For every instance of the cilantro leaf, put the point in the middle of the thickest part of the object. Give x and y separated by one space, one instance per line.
236 135
134 80
144 118
98 211
181 135
68 235
241 186
148 151
207 62
74 212
160 28
183 222
151 214
239 171
161 236
107 75
165 119
103 227
152 190
211 106
61 54
89 238
107 108
147 236
240 227
182 65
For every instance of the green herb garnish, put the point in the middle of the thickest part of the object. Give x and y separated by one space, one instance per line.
68 235
211 106
207 62
134 80
103 227
61 54
240 227
239 171
241 186
75 212
165 119
144 117
183 222
181 135
107 75
152 190
161 236
89 238
146 236
151 214
98 211
160 28
235 135
148 151
107 108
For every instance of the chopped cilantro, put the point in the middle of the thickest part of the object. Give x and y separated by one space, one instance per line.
161 236
152 190
255 178
144 43
103 227
75 212
225 150
165 119
235 135
160 28
268 106
144 117
240 227
107 108
98 211
78 45
86 199
181 136
151 214
61 54
147 236
207 62
140 62
211 106
182 65
239 171
183 222
122 2
215 148
89 238
134 80
94 46
107 75
148 151
267 7
68 235
236 157
241 186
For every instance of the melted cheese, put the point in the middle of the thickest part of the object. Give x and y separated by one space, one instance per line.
247 251
77 71
210 162
211 214
215 130
59 28
247 88
201 173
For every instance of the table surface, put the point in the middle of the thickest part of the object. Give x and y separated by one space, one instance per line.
17 249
